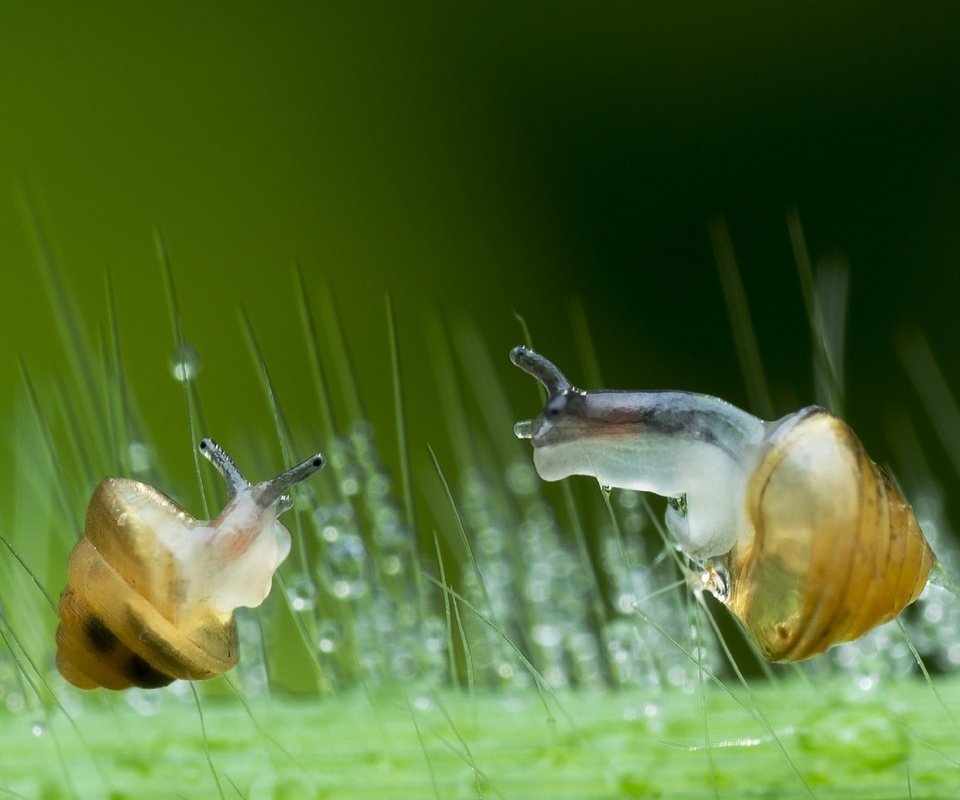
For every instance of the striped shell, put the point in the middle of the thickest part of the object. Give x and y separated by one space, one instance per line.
121 620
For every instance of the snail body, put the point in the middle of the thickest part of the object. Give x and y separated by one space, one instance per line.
805 539
151 590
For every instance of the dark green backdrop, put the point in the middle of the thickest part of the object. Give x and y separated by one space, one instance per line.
476 160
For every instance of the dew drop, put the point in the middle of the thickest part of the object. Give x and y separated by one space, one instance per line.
546 635
392 565
139 456
185 363
422 703
953 654
521 478
330 533
329 636
302 593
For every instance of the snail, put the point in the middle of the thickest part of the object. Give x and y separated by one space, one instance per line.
151 591
800 534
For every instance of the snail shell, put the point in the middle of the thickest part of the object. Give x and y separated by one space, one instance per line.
835 549
805 539
151 590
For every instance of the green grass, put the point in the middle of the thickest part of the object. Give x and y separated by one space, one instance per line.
395 743
451 626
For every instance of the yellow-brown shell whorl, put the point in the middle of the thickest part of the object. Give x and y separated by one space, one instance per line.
120 621
835 549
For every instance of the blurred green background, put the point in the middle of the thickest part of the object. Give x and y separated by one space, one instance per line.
474 160
471 161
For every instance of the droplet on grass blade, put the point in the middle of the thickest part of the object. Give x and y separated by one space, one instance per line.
140 457
185 363
328 636
302 593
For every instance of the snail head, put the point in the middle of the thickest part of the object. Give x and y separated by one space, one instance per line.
566 409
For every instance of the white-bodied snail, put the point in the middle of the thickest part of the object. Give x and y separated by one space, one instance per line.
151 591
801 534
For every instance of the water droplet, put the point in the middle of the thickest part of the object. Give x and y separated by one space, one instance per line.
330 533
547 635
346 556
185 363
953 654
434 633
328 638
38 728
139 456
343 589
627 602
537 591
521 478
392 565
302 593
628 500
422 703
933 612
378 486
676 676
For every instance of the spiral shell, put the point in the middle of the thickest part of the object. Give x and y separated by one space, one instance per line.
121 619
835 549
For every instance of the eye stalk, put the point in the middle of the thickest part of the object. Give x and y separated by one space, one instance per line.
267 492
217 456
559 389
540 368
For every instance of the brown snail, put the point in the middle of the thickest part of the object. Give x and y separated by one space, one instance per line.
151 591
800 534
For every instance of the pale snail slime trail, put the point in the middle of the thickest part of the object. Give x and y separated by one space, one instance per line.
151 590
797 531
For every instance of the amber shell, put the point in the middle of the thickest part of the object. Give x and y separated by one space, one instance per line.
834 549
121 621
